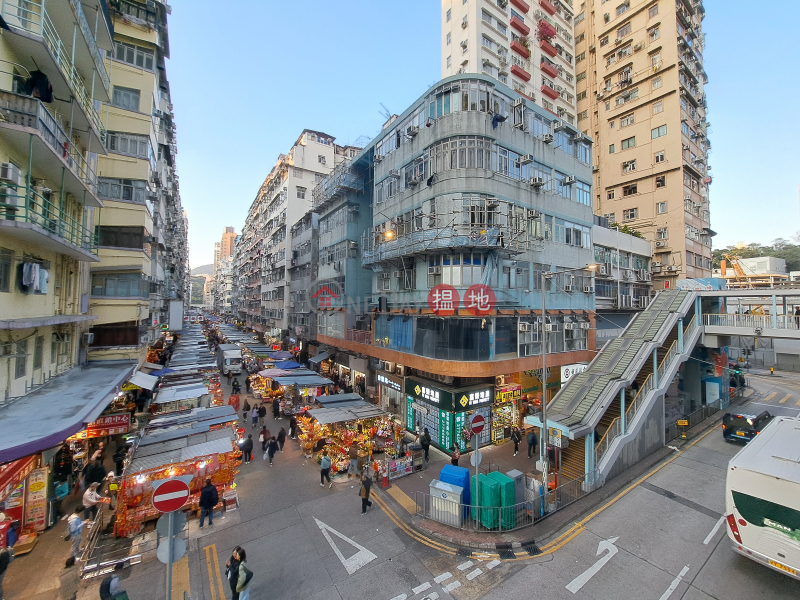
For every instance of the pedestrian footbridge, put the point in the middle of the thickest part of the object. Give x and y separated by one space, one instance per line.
613 413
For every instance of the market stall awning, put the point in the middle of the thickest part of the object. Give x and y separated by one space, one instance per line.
194 415
337 398
178 437
326 416
64 406
179 455
142 380
280 355
162 372
304 381
287 364
181 392
275 373
319 357
151 366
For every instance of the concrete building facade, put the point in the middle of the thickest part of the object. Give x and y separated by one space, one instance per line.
142 230
528 47
641 99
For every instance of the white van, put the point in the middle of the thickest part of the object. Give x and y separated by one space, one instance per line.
762 497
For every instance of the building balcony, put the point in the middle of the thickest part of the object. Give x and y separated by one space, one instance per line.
520 72
344 178
548 47
520 4
90 42
549 69
27 126
27 215
549 92
548 6
520 49
35 37
520 26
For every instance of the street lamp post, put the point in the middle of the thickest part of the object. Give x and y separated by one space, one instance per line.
544 433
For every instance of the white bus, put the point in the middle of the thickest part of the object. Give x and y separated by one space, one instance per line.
762 497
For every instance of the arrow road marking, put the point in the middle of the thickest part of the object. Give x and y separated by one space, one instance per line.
355 562
674 583
714 531
577 583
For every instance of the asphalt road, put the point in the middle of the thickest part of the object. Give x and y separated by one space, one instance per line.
661 539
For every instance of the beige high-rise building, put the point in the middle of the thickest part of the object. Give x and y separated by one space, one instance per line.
640 97
528 47
228 242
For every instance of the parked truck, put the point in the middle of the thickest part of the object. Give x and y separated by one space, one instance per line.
762 497
229 359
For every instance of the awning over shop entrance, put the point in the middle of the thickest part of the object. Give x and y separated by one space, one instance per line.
303 382
147 382
61 408
319 357
325 416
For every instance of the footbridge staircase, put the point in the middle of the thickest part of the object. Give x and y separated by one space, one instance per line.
613 413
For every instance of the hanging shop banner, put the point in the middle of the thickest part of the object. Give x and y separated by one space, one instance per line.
14 473
445 429
463 439
36 503
508 393
106 425
409 413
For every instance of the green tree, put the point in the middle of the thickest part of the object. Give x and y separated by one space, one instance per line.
626 229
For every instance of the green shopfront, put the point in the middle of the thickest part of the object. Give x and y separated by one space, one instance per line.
446 411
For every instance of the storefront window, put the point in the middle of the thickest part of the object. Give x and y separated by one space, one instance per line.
505 337
452 338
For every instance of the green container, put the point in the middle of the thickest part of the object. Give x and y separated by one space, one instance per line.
508 516
489 495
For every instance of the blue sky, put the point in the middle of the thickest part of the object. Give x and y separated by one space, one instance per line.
246 82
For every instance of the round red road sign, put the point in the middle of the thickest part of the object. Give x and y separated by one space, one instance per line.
477 424
170 495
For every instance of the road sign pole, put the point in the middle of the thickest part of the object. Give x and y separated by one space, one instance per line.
170 538
477 483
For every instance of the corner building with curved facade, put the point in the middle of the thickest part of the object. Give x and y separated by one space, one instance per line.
473 185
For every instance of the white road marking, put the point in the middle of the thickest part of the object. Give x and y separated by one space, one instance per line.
492 564
464 566
581 580
443 577
473 574
400 597
714 531
451 586
673 448
674 583
431 596
355 562
421 588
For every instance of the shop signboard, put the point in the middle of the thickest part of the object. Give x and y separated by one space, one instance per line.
390 383
507 393
473 399
14 473
460 421
106 425
451 400
409 413
445 429
567 371
36 503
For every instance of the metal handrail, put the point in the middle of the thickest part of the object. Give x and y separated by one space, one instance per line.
27 205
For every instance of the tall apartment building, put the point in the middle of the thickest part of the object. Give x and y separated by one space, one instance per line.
223 270
284 197
303 269
142 229
51 79
641 98
442 289
526 47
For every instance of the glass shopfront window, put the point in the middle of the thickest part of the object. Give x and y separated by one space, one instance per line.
452 338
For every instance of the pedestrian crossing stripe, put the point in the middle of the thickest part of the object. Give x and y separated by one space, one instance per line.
770 397
784 399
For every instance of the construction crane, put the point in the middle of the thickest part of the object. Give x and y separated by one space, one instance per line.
737 268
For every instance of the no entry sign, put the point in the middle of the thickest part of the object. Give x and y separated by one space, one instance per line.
477 424
170 495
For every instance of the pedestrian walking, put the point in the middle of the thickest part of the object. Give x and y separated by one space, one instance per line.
366 487
229 376
232 571
94 472
6 558
325 470
455 455
272 448
797 317
236 387
208 500
532 442
263 437
293 428
353 468
90 500
119 459
245 411
254 417
245 575
276 409
425 442
74 529
111 586
262 414
247 448
281 439
516 438
247 384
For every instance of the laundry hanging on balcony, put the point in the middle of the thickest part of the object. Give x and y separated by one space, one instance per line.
38 85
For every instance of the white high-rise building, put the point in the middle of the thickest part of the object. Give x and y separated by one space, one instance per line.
527 47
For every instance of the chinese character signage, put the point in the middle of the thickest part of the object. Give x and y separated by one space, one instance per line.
473 399
449 399
443 300
460 421
445 429
36 505
409 413
384 380
106 425
479 300
14 473
567 371
508 393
